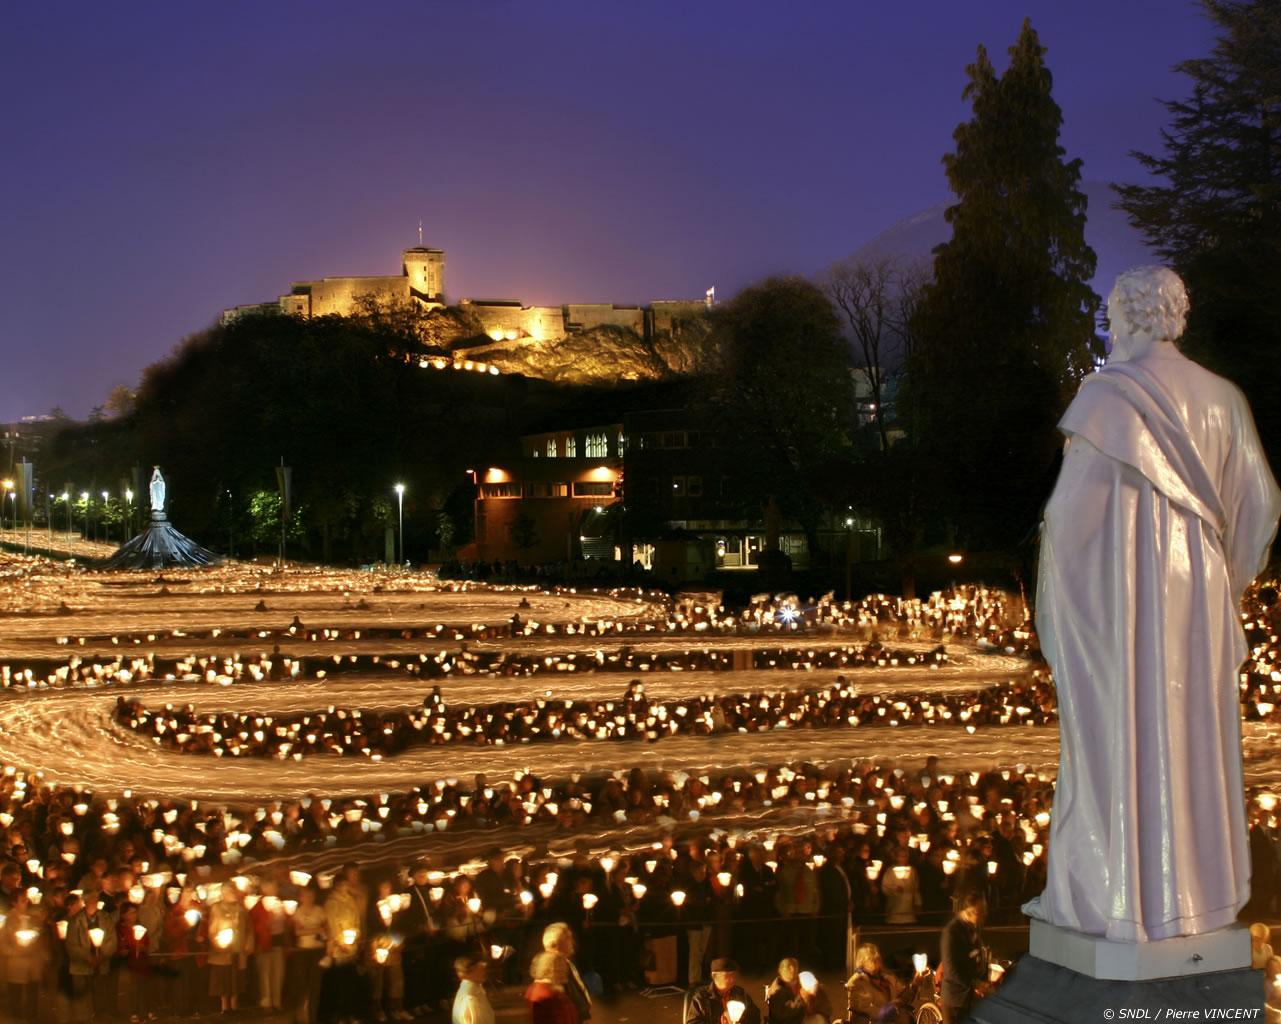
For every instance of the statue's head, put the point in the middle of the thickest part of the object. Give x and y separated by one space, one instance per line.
1147 305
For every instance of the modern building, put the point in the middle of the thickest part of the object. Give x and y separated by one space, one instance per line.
648 488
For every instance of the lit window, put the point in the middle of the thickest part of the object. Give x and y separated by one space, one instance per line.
551 447
571 447
547 490
502 491
597 446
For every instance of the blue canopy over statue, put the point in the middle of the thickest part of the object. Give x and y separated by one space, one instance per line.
160 546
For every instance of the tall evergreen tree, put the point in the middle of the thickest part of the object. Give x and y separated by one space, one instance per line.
1006 328
1216 217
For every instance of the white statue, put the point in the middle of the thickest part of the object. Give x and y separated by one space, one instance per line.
157 488
1163 514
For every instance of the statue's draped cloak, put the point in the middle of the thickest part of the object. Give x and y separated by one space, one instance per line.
1163 513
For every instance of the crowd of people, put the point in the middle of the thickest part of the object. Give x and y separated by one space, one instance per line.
106 912
1026 701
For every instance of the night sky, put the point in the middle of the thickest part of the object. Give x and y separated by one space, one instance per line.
163 161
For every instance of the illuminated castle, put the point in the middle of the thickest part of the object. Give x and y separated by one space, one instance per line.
422 280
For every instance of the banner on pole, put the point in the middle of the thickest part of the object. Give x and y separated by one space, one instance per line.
25 481
284 483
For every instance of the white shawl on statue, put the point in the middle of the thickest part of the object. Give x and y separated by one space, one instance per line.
1163 513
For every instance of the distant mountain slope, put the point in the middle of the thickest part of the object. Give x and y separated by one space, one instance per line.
1117 245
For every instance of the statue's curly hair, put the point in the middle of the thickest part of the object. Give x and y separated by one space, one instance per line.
1153 301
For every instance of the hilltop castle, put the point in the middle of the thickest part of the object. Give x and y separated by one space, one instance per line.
422 281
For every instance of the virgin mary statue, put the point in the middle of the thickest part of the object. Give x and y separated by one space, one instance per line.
1162 515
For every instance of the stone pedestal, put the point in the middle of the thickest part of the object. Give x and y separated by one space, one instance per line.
1096 957
1037 992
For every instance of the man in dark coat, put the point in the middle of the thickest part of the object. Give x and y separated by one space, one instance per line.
710 1003
965 960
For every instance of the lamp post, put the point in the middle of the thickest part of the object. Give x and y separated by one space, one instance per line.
128 512
84 496
8 489
400 513
106 527
66 499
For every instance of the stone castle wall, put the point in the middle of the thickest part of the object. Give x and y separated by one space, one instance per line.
422 279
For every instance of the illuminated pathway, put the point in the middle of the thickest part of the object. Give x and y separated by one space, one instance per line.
69 733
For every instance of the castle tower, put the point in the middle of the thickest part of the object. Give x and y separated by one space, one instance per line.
425 269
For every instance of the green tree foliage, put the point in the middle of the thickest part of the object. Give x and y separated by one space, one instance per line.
1215 213
264 521
1005 329
780 396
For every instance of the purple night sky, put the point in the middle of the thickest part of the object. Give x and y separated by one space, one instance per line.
163 161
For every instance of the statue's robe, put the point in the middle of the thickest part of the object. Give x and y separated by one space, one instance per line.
1163 513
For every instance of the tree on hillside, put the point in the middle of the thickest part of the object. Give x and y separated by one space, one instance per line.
781 397
1006 327
1215 213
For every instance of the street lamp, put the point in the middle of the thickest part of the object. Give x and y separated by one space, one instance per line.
84 496
400 511
106 527
66 498
8 489
128 511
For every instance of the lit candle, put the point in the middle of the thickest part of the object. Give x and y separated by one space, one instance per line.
921 962
380 954
808 982
349 936
735 1008
224 937
678 897
138 932
96 936
589 900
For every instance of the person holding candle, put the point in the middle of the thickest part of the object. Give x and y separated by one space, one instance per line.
267 919
23 954
471 1003
384 964
91 943
901 889
872 992
724 1001
421 923
178 936
343 928
308 923
796 997
133 963
230 941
